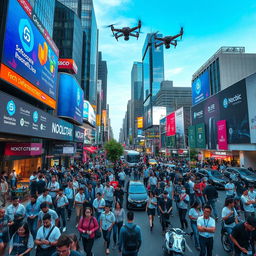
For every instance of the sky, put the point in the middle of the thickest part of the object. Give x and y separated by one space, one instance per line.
208 25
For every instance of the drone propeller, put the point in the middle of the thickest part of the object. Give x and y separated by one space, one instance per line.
111 25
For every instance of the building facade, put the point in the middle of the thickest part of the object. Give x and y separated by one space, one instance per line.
68 36
103 76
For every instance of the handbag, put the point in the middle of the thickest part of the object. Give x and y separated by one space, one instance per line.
85 235
230 220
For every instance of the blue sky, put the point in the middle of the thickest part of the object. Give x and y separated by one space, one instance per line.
208 25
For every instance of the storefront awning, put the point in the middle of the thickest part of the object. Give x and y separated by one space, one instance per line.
90 149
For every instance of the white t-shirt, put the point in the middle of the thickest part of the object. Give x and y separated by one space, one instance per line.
207 223
249 207
225 212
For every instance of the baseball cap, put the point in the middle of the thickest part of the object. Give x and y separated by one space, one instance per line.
251 221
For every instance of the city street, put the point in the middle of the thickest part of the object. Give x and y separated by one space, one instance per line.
152 242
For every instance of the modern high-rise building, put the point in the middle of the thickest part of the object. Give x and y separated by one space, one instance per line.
153 75
68 36
44 9
136 96
85 11
103 76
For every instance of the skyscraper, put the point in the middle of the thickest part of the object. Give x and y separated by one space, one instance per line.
68 35
85 11
44 9
103 76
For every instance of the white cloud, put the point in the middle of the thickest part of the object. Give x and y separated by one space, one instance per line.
174 71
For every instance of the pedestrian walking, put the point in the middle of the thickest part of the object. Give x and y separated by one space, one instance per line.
230 189
46 210
70 194
99 205
119 220
47 237
3 191
194 213
79 202
87 227
183 203
109 194
248 204
130 237
107 221
151 208
206 227
211 196
4 230
53 187
22 242
61 204
45 197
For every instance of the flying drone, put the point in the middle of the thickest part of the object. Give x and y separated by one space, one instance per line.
168 40
126 32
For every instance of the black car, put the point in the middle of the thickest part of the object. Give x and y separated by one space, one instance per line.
136 195
244 174
218 179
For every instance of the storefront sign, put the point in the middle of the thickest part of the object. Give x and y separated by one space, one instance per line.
18 117
78 134
67 65
140 122
29 62
170 125
222 135
23 149
60 149
70 98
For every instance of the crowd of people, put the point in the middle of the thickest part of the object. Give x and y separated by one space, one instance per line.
93 195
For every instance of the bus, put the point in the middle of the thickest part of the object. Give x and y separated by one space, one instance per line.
132 157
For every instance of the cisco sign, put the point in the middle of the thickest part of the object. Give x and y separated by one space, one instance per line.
18 117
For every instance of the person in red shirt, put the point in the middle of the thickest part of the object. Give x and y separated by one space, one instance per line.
114 183
199 188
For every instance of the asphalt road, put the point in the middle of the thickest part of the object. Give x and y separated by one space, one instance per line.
152 241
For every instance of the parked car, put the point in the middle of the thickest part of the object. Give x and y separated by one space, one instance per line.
136 195
244 174
218 179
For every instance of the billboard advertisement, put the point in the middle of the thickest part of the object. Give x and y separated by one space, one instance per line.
192 136
180 131
18 117
158 114
67 65
78 134
200 136
170 125
233 109
140 122
70 98
251 97
89 113
200 88
104 117
222 135
28 62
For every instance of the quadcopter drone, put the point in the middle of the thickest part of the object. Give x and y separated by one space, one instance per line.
126 32
168 40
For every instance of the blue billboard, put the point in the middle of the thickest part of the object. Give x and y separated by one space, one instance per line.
70 98
27 52
201 88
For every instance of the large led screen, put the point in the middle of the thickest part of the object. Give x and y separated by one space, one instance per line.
28 61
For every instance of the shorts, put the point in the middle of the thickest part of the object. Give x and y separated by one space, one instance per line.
4 238
79 210
151 211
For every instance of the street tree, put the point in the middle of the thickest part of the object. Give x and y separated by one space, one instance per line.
114 150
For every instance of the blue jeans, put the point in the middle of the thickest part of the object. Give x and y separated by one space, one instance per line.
116 231
200 199
32 225
69 207
206 245
62 215
212 204
195 232
106 236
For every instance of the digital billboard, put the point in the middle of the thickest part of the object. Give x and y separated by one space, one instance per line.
200 136
104 117
158 113
67 65
18 117
192 136
78 134
70 98
170 125
222 135
89 113
140 122
200 88
28 62
180 131
251 97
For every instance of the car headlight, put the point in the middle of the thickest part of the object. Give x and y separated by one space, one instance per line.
130 200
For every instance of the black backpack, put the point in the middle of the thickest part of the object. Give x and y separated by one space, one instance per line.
131 239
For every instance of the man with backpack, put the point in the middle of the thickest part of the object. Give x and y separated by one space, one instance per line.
130 237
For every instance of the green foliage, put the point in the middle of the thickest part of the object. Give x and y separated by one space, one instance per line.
193 154
114 150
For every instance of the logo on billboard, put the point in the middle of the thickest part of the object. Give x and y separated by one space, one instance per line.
26 35
22 122
198 114
198 86
11 108
35 117
43 53
233 100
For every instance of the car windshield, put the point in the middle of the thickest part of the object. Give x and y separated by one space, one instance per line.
216 174
137 189
245 172
133 158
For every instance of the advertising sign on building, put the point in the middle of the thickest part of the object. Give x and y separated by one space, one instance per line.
200 136
200 88
18 117
29 63
68 65
23 149
98 119
170 125
104 117
70 98
251 96
158 114
180 131
140 122
192 136
89 113
78 134
222 135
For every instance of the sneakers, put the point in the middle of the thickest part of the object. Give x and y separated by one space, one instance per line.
64 229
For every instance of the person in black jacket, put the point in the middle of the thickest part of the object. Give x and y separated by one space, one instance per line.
165 207
211 195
